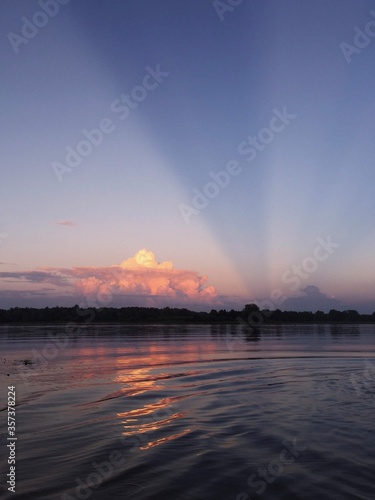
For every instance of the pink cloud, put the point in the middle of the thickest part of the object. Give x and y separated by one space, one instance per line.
141 275
138 280
66 223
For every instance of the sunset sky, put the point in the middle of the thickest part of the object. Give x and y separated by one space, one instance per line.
188 152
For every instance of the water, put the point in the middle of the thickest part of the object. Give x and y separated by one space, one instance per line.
191 412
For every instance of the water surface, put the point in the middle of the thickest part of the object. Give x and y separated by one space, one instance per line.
191 412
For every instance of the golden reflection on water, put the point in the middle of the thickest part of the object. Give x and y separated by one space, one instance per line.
146 370
136 381
151 444
147 419
151 374
151 426
152 418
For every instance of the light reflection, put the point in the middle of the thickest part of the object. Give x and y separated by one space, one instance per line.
157 442
149 371
147 409
151 426
148 419
137 381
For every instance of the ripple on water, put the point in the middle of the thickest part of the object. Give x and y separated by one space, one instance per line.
192 419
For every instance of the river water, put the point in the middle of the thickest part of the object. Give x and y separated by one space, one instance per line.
190 412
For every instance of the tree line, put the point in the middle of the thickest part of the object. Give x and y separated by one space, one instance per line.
249 314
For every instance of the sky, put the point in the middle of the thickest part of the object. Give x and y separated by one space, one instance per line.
189 153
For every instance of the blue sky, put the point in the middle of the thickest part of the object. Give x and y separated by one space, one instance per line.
220 75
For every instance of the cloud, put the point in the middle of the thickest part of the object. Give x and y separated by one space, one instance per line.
140 280
43 297
311 300
142 275
144 258
66 223
36 277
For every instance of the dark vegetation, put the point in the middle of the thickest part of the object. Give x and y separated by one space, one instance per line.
249 314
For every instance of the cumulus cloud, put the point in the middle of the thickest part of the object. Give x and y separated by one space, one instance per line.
143 275
144 258
140 279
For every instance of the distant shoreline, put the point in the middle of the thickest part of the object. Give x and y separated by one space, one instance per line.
111 323
249 317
